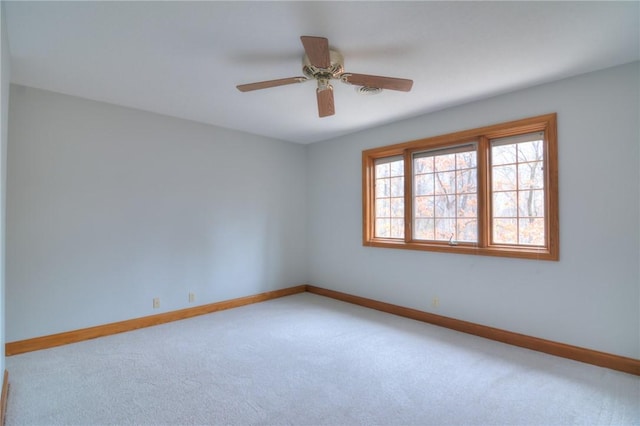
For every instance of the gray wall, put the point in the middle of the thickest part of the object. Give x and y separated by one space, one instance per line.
589 298
4 94
109 207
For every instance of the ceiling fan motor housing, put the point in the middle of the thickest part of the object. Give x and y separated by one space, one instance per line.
334 71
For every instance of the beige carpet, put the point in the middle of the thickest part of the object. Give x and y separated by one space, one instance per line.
309 360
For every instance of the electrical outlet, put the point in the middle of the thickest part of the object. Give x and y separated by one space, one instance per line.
435 302
192 297
156 302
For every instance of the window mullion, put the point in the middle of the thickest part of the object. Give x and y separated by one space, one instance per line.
368 198
408 197
484 193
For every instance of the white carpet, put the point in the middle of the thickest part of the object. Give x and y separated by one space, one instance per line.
309 360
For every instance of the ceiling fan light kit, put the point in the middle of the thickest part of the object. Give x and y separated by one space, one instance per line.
323 65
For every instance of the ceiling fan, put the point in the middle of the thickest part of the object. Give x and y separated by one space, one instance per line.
323 65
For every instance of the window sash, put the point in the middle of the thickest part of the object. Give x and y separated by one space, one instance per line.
515 228
439 224
389 216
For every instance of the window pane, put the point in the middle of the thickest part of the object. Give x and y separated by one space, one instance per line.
383 170
530 151
505 231
445 162
504 178
531 203
445 206
424 184
467 230
383 228
530 175
397 228
397 186
423 229
383 189
505 204
445 182
383 207
397 168
445 229
466 181
423 165
531 232
503 154
468 205
423 207
397 207
466 160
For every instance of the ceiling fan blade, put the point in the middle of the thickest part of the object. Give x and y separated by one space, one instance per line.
317 49
270 83
325 101
390 83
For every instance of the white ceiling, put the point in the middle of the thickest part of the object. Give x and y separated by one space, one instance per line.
184 59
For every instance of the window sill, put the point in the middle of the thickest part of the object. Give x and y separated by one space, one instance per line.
533 253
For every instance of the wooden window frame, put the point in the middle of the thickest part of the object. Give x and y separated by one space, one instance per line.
482 136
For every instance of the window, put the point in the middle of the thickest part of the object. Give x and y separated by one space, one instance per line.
389 197
490 191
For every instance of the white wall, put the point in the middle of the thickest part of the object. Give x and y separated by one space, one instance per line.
109 207
589 298
4 94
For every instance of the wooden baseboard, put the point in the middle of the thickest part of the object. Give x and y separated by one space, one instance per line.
4 397
50 341
602 359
